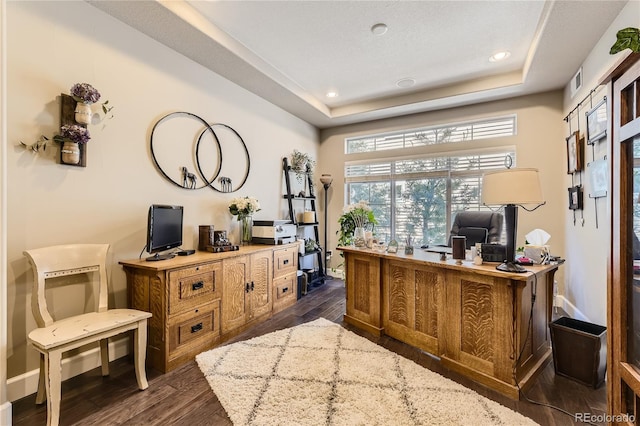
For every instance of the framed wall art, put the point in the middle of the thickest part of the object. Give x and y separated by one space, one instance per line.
597 171
597 122
575 198
574 152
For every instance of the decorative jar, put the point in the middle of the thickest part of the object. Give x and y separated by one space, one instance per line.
83 113
70 152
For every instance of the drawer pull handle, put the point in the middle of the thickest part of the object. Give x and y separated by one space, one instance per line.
286 261
197 286
252 286
246 288
285 289
196 328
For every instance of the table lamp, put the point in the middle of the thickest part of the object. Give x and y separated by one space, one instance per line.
512 188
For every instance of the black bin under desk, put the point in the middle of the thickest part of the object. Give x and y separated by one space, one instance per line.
579 350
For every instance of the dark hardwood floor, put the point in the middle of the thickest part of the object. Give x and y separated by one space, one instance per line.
183 396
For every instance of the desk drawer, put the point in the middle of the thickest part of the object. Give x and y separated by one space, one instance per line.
194 327
285 261
193 286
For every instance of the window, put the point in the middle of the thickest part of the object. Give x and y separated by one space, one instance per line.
419 195
449 133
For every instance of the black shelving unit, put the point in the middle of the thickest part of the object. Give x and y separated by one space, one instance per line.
311 199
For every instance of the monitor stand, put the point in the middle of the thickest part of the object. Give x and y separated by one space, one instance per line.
158 256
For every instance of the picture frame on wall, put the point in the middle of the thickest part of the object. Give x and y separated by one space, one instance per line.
575 198
598 173
597 122
574 152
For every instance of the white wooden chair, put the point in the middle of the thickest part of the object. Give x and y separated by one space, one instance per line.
53 337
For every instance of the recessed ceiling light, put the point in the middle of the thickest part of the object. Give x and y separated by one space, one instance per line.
499 56
379 29
332 94
405 82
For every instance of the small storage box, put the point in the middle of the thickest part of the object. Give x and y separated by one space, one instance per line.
579 350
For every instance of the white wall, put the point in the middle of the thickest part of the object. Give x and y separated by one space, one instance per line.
585 291
539 143
51 46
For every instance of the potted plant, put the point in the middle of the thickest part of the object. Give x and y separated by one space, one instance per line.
302 165
626 38
354 220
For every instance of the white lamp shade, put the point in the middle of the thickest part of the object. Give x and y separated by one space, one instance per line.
512 186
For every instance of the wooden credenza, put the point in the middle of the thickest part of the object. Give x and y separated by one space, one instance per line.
488 325
201 300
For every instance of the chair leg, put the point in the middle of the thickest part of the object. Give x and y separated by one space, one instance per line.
104 356
41 395
140 353
53 372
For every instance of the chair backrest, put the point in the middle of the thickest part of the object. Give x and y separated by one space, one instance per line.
478 227
64 260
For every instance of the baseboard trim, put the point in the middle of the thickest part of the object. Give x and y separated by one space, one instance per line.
27 383
5 413
570 308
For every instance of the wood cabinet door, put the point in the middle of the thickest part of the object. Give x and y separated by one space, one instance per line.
413 303
260 284
234 290
363 289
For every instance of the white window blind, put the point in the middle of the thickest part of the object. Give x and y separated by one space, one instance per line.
449 133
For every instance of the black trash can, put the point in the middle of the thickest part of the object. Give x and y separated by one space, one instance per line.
579 350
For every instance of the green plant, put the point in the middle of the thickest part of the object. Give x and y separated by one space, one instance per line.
310 245
302 165
355 215
626 38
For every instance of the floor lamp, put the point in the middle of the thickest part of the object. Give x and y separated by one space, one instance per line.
326 180
512 188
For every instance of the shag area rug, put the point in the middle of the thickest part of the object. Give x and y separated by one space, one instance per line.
319 373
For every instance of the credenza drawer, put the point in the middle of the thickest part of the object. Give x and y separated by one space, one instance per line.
284 291
284 261
189 287
191 328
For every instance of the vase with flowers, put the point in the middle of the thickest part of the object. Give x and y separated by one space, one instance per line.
355 220
71 137
244 208
85 95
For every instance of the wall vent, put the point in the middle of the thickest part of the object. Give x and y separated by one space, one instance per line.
576 82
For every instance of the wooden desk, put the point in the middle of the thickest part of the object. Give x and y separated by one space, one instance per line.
481 322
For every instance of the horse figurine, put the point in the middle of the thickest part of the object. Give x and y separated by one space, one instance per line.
188 179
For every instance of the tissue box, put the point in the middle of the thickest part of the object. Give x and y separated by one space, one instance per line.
538 254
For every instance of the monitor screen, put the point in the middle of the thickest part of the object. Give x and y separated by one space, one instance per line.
164 230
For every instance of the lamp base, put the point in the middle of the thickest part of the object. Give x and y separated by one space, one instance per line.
511 267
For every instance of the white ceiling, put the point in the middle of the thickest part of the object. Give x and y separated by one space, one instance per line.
293 52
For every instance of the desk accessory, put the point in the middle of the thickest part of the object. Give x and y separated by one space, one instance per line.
458 245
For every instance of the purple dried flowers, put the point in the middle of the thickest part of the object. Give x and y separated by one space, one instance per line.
84 92
75 133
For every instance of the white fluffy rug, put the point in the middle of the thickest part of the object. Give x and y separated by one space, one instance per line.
318 373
